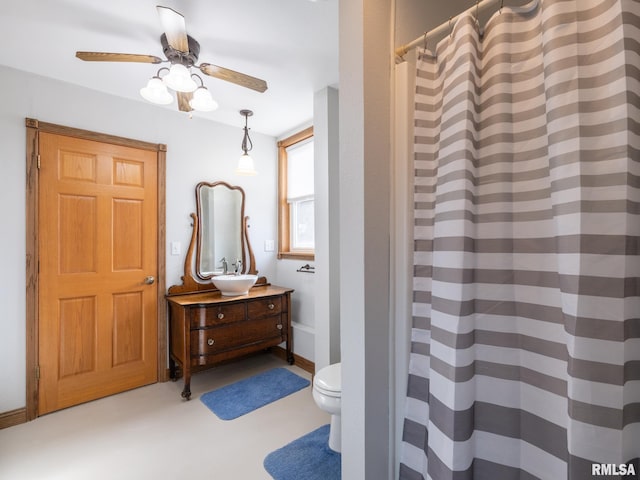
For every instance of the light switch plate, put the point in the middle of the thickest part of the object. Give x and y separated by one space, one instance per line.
175 248
269 246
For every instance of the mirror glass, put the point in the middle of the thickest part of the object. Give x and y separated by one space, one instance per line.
220 230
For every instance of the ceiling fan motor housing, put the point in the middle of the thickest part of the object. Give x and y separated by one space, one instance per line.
188 59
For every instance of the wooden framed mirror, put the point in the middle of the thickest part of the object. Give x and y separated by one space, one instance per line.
221 236
220 231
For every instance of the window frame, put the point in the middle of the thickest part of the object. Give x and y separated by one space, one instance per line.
284 208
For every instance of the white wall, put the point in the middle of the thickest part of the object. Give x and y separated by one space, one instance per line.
197 150
327 228
302 304
365 169
315 303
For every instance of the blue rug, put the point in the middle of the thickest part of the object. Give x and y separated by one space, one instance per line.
307 458
254 392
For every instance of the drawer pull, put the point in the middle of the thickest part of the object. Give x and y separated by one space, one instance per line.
279 327
210 342
220 316
271 306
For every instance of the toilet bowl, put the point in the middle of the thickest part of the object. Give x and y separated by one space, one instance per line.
327 393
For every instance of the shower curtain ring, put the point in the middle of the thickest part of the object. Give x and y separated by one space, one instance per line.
425 40
477 19
450 29
501 5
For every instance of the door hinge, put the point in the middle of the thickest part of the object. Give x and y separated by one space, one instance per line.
38 162
37 372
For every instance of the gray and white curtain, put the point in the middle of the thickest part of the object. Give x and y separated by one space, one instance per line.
525 358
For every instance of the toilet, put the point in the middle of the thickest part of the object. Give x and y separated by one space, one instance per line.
327 393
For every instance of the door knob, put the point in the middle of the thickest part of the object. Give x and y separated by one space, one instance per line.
149 280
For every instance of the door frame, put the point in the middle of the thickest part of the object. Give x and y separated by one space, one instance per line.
32 254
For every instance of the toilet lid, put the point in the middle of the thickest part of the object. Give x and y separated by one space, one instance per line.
329 379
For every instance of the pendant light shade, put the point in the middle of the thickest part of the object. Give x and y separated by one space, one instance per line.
202 100
245 164
179 79
156 92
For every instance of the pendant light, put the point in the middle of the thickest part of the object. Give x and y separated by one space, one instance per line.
245 164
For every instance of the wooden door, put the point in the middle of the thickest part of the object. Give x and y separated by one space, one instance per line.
97 231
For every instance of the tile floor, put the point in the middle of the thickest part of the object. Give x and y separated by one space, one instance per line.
151 433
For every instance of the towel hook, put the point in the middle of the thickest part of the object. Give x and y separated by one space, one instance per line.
306 269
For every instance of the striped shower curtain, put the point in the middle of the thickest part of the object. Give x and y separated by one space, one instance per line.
525 356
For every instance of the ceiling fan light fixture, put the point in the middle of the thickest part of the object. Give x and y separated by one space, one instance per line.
156 92
202 100
181 52
179 79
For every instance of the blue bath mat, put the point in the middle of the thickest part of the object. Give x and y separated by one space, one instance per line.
307 458
254 392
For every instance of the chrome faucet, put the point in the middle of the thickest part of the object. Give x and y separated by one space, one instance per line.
238 265
225 268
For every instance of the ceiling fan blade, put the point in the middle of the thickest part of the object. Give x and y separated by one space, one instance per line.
117 57
234 77
174 28
183 101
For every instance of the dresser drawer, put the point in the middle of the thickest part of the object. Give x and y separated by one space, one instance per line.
214 340
213 315
264 307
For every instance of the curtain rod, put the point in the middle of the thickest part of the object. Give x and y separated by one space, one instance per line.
476 9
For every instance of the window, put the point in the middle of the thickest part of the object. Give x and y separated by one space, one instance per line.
296 197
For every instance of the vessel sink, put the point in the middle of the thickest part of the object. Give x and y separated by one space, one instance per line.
232 285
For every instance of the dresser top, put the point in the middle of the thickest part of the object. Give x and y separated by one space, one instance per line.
208 298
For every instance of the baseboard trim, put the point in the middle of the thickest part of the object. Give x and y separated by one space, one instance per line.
13 417
299 361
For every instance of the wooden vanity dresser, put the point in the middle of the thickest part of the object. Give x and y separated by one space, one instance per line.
206 327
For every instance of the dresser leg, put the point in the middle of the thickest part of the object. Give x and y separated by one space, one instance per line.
289 345
186 392
290 359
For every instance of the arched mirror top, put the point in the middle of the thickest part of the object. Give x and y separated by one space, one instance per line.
219 241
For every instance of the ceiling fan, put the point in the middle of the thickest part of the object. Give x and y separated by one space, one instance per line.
181 51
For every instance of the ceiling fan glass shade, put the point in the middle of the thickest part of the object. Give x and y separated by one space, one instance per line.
202 100
179 79
245 166
156 92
